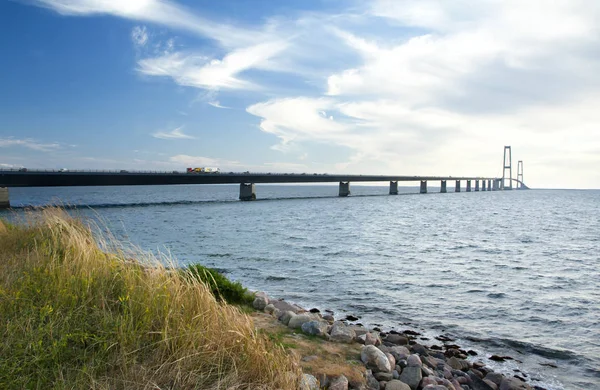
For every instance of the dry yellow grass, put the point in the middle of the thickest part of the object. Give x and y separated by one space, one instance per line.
76 317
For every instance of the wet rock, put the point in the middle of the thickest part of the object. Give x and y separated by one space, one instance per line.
472 353
396 339
315 328
411 333
411 376
458 364
497 358
374 359
513 384
339 383
261 300
299 319
341 333
397 385
309 382
314 310
414 361
477 383
383 376
352 318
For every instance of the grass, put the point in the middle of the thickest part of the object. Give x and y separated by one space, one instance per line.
221 287
75 316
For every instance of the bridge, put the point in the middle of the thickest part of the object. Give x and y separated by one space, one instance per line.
246 180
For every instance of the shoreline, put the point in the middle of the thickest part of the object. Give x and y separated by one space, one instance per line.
442 361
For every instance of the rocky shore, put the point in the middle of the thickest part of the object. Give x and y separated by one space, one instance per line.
391 360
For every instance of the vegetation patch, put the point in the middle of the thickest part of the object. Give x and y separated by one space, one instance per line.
75 316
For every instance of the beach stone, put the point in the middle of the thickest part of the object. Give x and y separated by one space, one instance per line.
299 319
397 385
426 371
269 309
513 384
276 313
391 359
341 333
411 376
315 328
286 306
396 374
286 316
477 383
495 377
435 387
396 339
399 352
374 359
329 318
414 361
458 364
418 348
383 376
430 361
261 301
339 383
491 384
309 382
428 380
372 383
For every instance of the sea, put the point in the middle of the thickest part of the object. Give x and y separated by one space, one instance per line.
509 273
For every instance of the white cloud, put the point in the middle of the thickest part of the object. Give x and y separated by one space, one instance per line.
196 70
174 134
29 143
139 35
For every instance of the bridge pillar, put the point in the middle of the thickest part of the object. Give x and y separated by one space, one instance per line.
489 188
443 187
468 185
393 188
247 191
477 185
345 188
483 185
4 201
457 186
423 189
495 185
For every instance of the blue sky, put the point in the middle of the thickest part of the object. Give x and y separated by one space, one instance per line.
386 86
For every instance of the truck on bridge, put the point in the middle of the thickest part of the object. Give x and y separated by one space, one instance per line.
203 170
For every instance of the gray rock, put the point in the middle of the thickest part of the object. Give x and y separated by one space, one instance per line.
458 364
428 380
339 383
309 382
426 371
297 321
315 328
286 316
418 348
435 387
411 376
276 313
513 384
397 385
491 384
372 383
431 361
359 330
374 359
269 308
341 333
414 361
495 377
396 374
383 376
396 339
399 352
260 301
286 306
329 318
477 383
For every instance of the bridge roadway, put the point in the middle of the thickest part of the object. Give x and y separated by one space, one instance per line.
32 178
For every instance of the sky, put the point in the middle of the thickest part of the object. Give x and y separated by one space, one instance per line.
407 87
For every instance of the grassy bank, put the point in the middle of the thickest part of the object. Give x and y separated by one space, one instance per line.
76 317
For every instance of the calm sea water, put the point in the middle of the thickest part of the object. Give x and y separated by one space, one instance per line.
509 273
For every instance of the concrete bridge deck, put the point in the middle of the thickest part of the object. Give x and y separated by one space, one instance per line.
246 180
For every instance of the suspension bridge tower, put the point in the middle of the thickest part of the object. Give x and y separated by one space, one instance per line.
507 167
520 175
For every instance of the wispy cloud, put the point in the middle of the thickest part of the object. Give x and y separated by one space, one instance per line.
139 35
29 143
174 134
217 104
